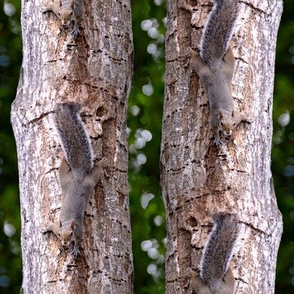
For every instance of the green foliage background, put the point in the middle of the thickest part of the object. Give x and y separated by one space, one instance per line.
144 122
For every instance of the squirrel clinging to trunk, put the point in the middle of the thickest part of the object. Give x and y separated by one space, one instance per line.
215 66
78 175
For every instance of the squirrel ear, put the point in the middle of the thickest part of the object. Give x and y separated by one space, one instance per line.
72 224
221 114
60 3
72 4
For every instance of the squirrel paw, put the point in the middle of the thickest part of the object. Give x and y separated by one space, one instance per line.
45 231
75 252
45 10
245 118
76 31
218 142
48 229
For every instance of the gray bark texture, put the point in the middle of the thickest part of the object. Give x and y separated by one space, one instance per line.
199 180
94 69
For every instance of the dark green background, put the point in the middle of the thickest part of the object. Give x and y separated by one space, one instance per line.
144 178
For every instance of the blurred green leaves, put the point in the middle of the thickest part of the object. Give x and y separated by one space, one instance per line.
144 123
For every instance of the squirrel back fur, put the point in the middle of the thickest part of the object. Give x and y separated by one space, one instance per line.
218 250
74 139
218 31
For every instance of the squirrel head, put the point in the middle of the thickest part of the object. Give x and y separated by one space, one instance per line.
66 234
66 14
227 123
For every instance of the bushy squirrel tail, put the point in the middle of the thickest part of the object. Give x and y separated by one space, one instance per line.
218 250
74 139
218 31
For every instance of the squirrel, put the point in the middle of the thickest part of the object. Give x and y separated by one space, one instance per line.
215 66
215 274
78 175
67 11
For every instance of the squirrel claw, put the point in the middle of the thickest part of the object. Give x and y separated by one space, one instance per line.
75 251
76 31
218 142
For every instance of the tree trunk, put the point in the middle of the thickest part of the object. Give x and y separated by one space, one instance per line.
95 69
199 180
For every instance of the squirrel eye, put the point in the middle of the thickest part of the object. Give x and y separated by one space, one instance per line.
71 234
221 123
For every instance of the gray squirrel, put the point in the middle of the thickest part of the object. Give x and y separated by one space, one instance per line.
215 275
215 67
67 11
77 173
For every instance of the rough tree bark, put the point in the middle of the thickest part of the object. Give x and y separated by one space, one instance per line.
197 179
94 69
